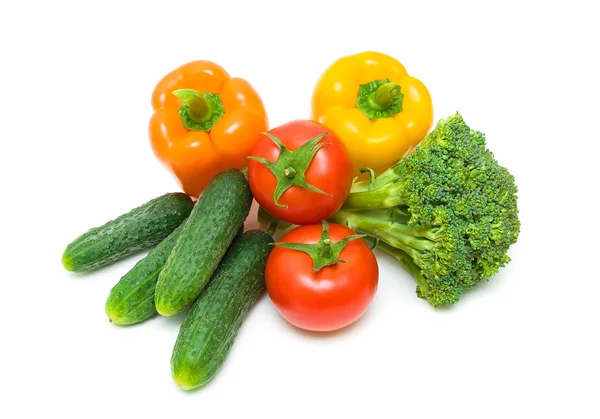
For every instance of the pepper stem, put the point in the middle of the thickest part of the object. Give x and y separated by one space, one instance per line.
324 252
381 99
199 109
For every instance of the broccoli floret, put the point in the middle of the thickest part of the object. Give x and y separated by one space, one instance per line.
448 206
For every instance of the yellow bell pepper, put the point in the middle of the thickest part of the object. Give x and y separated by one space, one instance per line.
379 111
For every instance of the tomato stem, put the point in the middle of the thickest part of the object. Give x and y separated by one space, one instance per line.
325 252
290 167
199 108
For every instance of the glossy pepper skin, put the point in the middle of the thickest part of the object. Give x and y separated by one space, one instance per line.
375 107
204 122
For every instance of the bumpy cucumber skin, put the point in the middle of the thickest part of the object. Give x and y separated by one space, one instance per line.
139 229
211 325
208 232
131 300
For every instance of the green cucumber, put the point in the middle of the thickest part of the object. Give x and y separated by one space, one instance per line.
131 300
141 228
216 218
211 325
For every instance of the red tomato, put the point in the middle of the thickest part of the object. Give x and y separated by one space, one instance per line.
329 170
331 298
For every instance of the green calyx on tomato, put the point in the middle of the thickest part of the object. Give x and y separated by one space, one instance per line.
200 111
327 299
290 167
324 252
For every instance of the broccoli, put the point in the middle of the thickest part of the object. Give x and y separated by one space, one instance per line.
447 211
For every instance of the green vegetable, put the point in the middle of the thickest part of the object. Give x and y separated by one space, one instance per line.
448 212
216 218
131 300
269 223
211 325
139 229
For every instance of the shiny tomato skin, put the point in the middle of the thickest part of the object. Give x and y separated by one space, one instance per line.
329 171
330 299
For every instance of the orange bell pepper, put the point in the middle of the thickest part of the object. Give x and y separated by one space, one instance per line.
376 108
204 122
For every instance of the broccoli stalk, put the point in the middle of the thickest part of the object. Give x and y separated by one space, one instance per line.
423 287
447 211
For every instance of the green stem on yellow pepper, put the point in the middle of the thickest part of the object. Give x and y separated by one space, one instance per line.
381 98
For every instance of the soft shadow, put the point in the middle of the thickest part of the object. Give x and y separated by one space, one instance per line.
179 318
175 320
492 284
469 294
131 326
75 276
446 308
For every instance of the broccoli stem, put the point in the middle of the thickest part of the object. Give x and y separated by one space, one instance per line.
380 191
384 197
405 260
394 215
386 177
412 240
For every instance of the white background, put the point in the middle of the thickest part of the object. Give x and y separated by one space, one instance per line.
75 86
